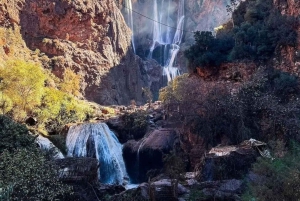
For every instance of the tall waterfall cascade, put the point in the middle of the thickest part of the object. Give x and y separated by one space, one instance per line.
129 20
165 34
167 19
97 140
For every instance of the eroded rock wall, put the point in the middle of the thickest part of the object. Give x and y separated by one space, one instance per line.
91 38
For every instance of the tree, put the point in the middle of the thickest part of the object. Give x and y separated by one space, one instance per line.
147 92
208 51
70 83
14 135
30 176
60 108
23 83
231 8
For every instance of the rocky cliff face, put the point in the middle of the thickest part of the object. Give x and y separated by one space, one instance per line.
288 58
91 38
200 15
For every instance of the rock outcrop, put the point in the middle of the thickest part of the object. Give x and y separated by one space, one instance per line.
147 153
89 37
77 169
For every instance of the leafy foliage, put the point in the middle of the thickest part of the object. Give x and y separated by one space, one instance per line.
22 83
23 92
30 175
13 135
135 124
276 180
259 30
208 50
70 83
174 166
60 108
262 108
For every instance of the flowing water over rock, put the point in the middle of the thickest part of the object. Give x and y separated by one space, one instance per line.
97 140
165 34
46 144
129 20
167 20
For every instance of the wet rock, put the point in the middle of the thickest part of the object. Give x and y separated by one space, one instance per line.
77 169
147 153
46 145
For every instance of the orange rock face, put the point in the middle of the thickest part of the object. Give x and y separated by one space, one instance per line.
90 37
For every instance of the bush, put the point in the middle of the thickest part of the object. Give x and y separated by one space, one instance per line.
31 176
265 107
259 30
59 108
23 87
14 135
277 180
208 50
135 124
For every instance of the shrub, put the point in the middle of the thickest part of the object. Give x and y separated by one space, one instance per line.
59 108
135 124
278 179
23 87
70 83
13 135
261 108
259 30
31 176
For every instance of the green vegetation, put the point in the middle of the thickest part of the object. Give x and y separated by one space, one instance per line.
135 124
208 50
30 175
21 86
264 108
196 195
276 180
23 93
13 135
174 166
259 30
25 172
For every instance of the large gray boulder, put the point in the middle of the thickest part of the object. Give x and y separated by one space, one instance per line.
147 153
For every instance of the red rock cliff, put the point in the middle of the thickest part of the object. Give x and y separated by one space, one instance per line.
90 37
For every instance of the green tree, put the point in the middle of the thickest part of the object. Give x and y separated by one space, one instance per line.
31 176
23 83
231 8
276 180
14 135
70 83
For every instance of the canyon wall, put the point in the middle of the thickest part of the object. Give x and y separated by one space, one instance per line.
89 37
199 15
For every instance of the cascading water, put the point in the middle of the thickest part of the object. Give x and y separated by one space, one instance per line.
129 20
97 140
46 144
165 35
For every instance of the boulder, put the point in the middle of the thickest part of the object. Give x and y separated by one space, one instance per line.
77 169
230 162
147 153
221 190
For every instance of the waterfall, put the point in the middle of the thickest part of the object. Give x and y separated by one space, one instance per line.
165 35
46 144
97 140
129 20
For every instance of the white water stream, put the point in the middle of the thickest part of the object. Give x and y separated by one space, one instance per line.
97 140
